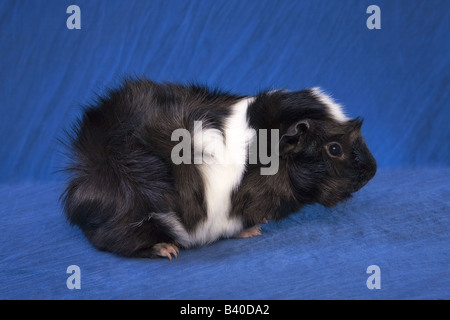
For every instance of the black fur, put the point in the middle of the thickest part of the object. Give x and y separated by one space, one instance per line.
123 183
307 173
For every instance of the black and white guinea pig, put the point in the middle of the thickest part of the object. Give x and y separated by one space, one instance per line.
158 167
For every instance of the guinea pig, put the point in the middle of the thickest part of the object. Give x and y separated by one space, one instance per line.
159 167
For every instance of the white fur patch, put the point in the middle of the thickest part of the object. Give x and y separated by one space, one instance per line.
171 221
222 169
334 108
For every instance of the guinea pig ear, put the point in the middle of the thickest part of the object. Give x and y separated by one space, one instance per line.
289 140
355 127
357 123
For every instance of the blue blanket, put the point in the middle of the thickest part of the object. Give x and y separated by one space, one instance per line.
399 223
389 241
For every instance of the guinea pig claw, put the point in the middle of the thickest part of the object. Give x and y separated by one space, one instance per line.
250 232
173 250
166 253
166 250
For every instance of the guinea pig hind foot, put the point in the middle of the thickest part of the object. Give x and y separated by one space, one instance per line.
166 250
250 232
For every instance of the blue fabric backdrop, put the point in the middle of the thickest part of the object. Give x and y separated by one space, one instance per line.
397 78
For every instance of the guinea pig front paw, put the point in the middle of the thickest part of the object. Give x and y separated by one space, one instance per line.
166 250
266 219
250 232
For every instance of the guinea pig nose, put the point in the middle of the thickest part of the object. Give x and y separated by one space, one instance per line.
368 168
365 164
367 171
373 167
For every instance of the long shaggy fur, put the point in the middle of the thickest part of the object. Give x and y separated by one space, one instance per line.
127 195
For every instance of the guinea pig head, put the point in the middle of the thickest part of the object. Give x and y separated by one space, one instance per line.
327 160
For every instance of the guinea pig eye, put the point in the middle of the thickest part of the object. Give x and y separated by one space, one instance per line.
334 149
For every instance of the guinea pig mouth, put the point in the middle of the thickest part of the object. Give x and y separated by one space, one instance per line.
358 185
365 172
335 199
362 180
